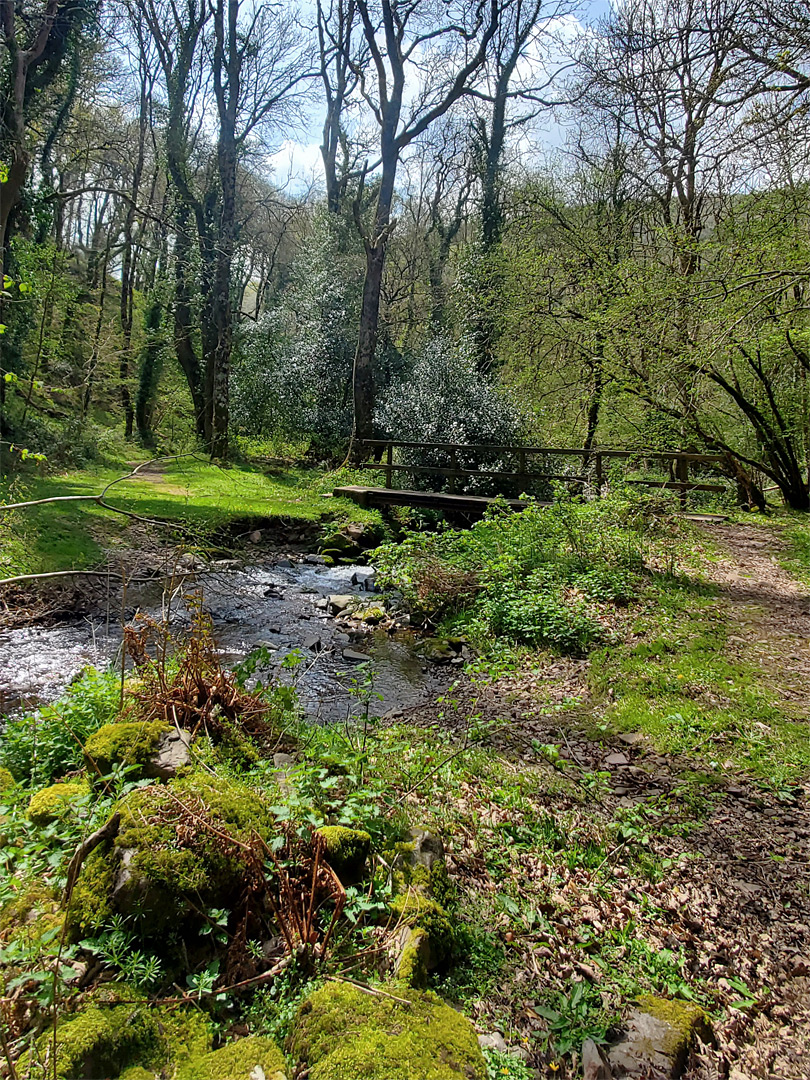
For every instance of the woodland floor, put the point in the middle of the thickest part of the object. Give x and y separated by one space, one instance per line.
733 897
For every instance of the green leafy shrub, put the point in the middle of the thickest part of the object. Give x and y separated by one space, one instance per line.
50 742
541 618
538 577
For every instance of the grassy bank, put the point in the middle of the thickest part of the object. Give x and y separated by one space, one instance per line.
198 496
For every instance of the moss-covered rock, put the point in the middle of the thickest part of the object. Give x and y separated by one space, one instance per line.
7 781
342 1033
32 914
99 1041
116 1036
346 851
54 802
124 743
237 1061
426 937
659 1035
179 847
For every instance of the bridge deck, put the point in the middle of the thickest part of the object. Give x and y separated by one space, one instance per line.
433 500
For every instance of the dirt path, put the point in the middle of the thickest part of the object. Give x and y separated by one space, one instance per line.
770 609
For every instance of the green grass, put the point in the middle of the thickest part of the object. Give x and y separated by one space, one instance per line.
676 683
198 496
797 556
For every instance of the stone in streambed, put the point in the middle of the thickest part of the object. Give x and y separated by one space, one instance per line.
339 602
355 656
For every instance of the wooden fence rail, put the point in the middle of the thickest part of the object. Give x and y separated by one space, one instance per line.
378 455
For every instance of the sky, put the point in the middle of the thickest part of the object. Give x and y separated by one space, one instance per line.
296 165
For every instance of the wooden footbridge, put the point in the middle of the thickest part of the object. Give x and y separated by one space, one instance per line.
464 478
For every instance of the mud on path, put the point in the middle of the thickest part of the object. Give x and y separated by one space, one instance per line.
736 896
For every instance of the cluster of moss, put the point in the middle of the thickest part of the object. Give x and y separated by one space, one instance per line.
128 742
342 1033
119 1034
684 1020
237 1061
32 915
7 780
54 802
346 851
169 858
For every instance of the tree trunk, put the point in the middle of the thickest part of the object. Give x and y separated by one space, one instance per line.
183 343
363 378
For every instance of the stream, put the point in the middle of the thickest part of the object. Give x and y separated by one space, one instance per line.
279 604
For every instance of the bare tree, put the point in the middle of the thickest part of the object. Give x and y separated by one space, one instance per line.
423 59
250 61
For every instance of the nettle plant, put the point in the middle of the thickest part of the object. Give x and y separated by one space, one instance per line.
548 576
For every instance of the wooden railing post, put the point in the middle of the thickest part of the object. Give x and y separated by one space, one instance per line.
453 470
598 475
389 461
682 472
522 481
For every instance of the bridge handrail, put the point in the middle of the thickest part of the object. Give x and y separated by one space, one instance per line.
661 455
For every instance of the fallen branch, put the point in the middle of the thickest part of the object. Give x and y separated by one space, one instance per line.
106 832
95 573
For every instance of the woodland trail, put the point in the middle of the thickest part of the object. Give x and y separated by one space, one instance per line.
769 609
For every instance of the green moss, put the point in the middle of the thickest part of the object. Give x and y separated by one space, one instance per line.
151 817
125 743
52 803
342 1033
412 967
90 904
6 779
237 1061
170 852
346 851
32 915
423 913
236 748
98 1041
683 1018
116 1036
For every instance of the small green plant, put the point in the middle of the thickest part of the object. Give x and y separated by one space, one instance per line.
575 1016
50 742
116 946
502 1066
273 1008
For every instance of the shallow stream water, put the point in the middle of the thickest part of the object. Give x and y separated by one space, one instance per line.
273 604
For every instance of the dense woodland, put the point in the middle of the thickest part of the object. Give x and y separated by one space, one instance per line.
643 285
297 787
